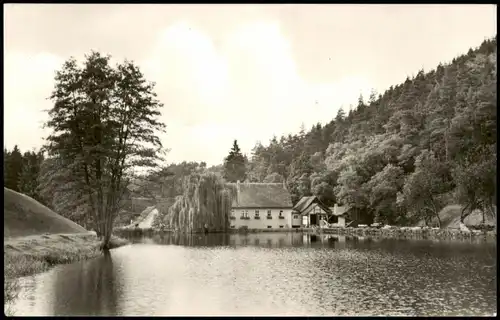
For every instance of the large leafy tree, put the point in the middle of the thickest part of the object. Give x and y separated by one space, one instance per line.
235 165
383 187
425 190
104 123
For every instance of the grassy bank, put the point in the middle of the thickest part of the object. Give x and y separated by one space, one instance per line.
36 238
34 254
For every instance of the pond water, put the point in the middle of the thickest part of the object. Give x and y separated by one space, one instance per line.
270 274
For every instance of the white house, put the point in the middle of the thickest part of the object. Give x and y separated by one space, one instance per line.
310 211
261 206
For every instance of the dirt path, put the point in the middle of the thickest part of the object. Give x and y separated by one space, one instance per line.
148 221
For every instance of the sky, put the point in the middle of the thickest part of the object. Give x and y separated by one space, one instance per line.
225 72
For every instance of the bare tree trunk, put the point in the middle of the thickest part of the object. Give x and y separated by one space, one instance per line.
106 232
109 211
438 219
493 212
105 241
435 211
463 215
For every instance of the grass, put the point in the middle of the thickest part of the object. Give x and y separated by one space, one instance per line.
30 255
24 216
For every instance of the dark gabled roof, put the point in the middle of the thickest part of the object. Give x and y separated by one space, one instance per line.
303 203
306 202
261 195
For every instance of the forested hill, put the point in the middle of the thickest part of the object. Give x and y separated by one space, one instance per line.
404 154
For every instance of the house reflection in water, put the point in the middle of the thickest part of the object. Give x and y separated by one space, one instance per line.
292 239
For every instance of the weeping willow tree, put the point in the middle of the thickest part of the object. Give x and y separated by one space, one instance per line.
206 200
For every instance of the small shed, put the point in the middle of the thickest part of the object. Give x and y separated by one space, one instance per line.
339 215
311 211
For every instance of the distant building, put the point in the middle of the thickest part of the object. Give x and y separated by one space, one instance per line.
309 211
261 206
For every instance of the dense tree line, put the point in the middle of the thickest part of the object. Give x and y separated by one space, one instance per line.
402 155
21 171
399 157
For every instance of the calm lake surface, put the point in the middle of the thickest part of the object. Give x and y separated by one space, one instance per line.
271 274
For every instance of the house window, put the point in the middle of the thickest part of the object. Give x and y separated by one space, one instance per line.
244 214
257 215
269 227
269 216
281 227
296 216
232 227
281 215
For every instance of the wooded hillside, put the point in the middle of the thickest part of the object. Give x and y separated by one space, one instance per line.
404 154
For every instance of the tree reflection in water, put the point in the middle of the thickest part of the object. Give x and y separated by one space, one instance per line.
87 288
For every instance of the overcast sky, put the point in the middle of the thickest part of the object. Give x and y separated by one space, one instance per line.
225 72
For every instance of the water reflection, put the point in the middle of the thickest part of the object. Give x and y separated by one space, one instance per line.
86 288
268 240
272 274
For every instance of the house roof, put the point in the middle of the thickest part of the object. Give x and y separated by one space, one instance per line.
306 202
303 203
340 210
261 195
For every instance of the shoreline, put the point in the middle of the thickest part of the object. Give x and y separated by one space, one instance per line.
48 250
29 255
393 233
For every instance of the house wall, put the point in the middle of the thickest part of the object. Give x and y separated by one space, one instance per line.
296 219
312 209
263 222
341 222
